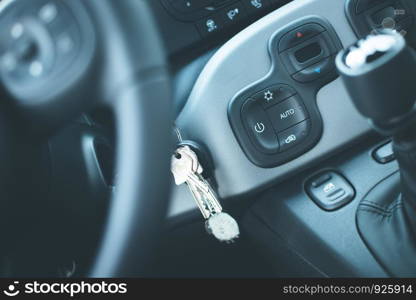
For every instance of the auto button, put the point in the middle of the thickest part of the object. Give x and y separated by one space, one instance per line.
287 113
259 127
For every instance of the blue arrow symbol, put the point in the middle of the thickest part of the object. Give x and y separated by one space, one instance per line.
317 70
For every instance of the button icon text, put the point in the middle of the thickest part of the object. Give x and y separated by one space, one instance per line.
259 127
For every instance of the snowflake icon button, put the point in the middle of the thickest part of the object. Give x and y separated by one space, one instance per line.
272 95
268 96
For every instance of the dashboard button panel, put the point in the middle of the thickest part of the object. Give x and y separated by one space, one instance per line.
282 105
229 11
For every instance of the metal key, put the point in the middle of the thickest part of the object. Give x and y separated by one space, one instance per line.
205 197
183 164
186 168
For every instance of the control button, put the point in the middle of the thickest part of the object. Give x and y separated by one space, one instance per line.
235 13
65 43
48 13
273 95
299 35
315 71
287 114
60 21
36 68
259 127
320 180
255 5
384 154
210 25
188 6
329 190
294 135
307 54
304 54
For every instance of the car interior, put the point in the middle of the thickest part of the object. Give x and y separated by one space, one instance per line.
299 117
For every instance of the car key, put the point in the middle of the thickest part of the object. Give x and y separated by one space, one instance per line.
182 168
185 164
186 168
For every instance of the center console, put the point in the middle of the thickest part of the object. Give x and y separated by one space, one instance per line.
345 230
280 125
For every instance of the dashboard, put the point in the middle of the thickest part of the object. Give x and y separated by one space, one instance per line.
263 142
266 106
277 121
225 78
197 25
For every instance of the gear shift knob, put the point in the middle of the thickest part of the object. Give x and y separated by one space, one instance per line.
379 73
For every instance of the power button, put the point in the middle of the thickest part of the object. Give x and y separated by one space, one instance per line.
259 127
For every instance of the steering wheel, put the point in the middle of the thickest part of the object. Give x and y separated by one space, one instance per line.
59 58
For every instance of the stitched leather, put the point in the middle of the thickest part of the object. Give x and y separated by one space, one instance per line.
386 216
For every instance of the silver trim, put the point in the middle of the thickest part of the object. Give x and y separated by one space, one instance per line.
241 62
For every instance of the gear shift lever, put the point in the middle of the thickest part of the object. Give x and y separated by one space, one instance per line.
379 73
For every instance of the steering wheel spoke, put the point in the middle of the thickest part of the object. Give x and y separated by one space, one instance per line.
60 58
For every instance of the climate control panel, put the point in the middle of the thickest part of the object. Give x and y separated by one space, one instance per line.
277 119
